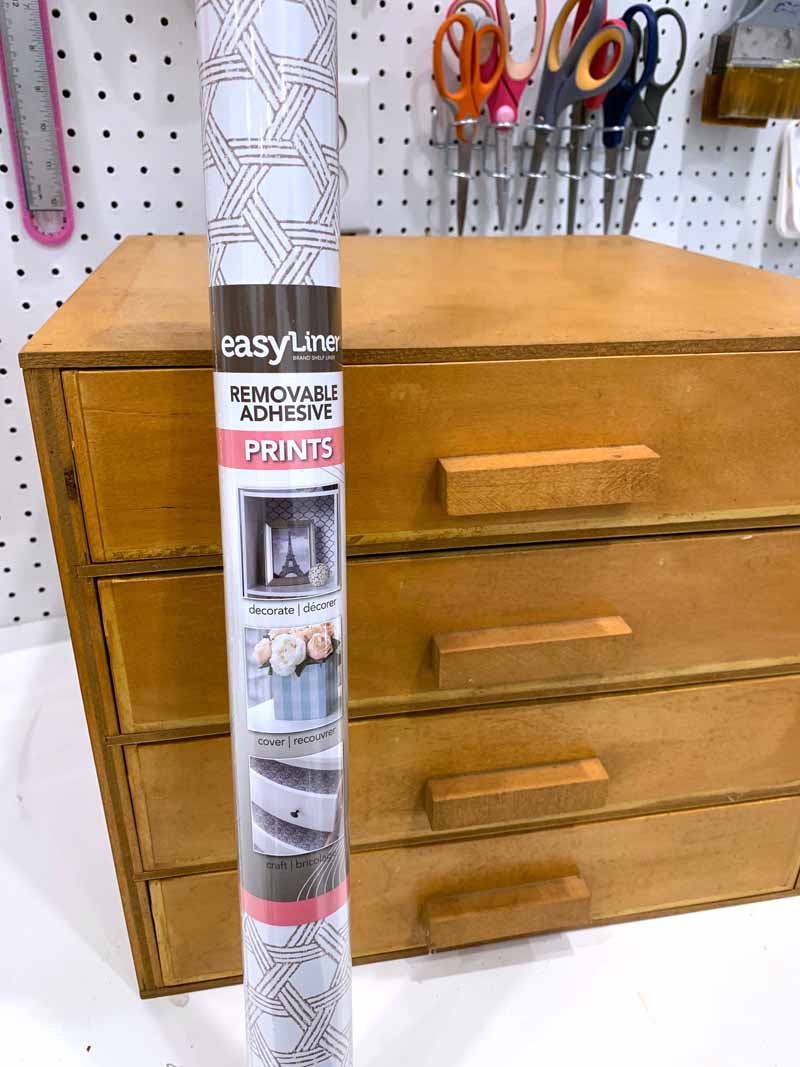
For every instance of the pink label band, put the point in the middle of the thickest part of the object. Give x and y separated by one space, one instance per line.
295 912
280 450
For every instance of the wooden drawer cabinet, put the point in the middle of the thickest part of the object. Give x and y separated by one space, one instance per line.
572 587
629 866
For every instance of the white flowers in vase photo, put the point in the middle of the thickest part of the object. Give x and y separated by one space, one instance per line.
294 673
289 650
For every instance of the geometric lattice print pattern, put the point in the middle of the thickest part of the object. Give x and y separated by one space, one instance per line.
271 169
298 982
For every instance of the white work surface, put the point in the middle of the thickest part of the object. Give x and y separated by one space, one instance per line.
713 989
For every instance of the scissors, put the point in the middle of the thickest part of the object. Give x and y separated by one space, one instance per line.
468 99
503 103
568 80
579 116
644 116
620 100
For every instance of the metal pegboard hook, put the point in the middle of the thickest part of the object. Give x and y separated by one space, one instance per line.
564 144
449 143
498 151
535 128
640 174
625 146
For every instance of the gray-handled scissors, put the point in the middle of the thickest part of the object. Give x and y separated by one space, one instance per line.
568 80
644 116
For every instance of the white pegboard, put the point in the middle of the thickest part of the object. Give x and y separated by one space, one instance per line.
713 190
129 98
129 104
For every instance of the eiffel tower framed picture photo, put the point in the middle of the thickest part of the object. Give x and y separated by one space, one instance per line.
289 553
290 541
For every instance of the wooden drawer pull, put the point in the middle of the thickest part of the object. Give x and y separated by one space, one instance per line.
508 654
521 793
541 481
514 911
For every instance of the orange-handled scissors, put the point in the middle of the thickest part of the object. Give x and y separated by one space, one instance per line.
467 100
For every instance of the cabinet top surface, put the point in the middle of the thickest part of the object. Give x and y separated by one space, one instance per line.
430 299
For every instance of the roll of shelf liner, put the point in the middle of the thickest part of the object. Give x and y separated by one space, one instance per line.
270 154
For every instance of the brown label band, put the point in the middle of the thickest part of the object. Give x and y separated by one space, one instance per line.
276 329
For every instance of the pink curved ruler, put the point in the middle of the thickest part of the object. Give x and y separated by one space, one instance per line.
31 99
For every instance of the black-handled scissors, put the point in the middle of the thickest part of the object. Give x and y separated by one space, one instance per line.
619 103
644 116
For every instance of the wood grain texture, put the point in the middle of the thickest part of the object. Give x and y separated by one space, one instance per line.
650 864
661 749
145 449
166 646
506 654
147 303
691 909
630 865
174 733
183 799
541 481
699 607
724 460
519 794
657 913
51 431
512 911
197 921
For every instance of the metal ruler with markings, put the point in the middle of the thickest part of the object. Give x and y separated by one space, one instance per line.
32 109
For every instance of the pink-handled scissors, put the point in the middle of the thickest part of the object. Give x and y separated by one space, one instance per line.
503 103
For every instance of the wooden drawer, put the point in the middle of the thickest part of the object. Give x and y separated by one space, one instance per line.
440 629
700 606
709 438
628 866
166 645
662 748
145 453
197 927
720 455
183 801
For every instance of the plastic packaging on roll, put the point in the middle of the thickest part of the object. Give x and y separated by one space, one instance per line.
270 129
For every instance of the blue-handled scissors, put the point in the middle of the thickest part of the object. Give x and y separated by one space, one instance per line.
644 118
568 80
621 99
